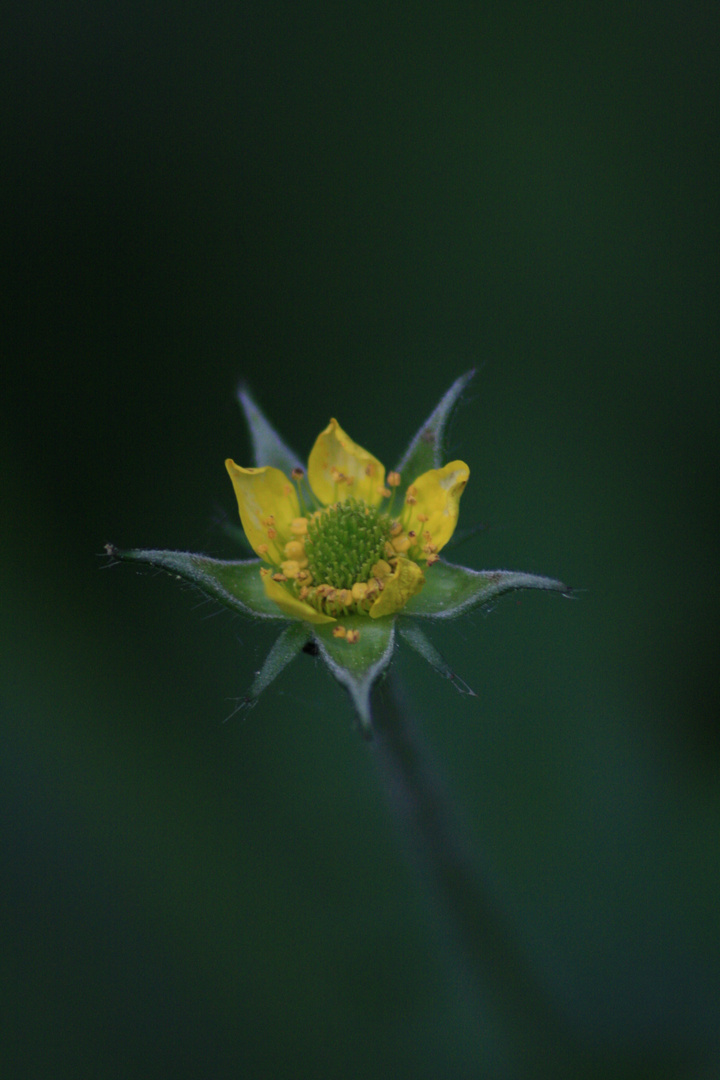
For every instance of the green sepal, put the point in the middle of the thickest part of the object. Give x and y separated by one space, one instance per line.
268 447
450 590
415 637
236 583
426 451
285 649
358 665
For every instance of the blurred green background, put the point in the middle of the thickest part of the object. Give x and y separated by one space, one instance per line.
346 206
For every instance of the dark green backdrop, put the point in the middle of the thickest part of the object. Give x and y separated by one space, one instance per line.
347 205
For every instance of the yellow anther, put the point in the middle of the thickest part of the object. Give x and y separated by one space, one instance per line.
401 543
373 588
422 518
395 528
410 499
393 479
290 568
298 526
264 571
370 468
359 590
304 577
271 534
381 569
268 521
389 549
279 577
432 558
303 592
295 549
262 549
411 534
339 631
344 597
352 637
297 473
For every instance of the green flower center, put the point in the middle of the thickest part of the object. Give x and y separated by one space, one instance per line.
344 542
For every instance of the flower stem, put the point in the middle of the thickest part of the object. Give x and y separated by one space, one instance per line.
485 944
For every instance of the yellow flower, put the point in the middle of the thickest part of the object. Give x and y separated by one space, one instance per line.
344 551
336 543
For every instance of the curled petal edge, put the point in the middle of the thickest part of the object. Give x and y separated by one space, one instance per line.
437 494
264 495
290 605
335 450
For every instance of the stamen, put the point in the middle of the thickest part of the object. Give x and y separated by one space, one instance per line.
295 549
352 637
297 475
339 631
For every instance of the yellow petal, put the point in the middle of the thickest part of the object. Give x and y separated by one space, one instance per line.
437 495
289 604
268 503
406 580
335 454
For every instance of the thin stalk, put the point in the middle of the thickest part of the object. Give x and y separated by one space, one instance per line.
485 943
